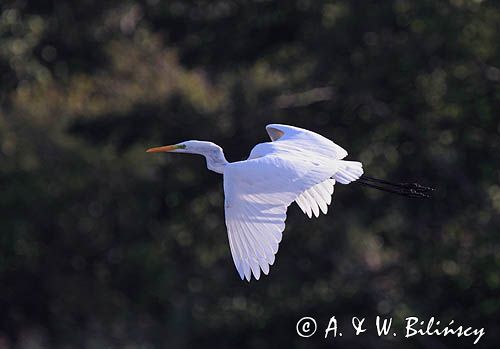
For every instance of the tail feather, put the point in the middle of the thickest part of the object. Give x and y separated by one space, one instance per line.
348 171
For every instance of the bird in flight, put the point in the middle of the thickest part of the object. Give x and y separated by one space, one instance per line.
298 166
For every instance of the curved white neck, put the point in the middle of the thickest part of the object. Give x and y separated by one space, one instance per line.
216 161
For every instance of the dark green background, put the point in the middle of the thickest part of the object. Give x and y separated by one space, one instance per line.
104 246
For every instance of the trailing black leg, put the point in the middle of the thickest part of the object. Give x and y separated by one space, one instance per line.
412 190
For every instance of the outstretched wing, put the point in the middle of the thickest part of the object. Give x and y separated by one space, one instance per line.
306 140
258 192
319 197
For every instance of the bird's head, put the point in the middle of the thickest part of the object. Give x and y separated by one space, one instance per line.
211 151
191 147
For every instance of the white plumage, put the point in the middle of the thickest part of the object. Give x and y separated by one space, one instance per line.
298 165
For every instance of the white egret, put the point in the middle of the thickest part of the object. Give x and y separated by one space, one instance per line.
297 166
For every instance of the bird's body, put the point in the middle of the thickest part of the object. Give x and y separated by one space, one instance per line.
297 165
300 166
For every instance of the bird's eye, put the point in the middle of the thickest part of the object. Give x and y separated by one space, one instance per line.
181 146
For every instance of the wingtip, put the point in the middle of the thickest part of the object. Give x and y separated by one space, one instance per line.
239 269
271 260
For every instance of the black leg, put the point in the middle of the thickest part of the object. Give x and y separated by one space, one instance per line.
415 186
412 190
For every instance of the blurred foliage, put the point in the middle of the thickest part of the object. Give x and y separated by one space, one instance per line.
102 245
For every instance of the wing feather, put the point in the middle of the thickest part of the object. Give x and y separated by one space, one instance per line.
258 192
301 203
323 190
306 140
312 202
319 198
319 195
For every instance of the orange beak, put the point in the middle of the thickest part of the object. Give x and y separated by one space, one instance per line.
163 149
